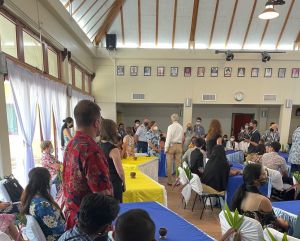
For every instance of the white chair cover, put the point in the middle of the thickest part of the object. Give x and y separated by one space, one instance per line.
32 230
251 230
277 235
4 237
3 193
276 179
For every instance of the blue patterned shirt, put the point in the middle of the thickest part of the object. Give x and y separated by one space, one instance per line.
152 138
294 154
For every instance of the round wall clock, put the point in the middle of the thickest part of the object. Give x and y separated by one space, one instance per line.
239 96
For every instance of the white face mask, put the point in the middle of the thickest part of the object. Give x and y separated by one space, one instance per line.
231 139
198 122
137 124
246 127
97 139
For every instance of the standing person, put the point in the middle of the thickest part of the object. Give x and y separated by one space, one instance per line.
140 137
198 128
294 154
188 134
121 130
272 134
128 143
85 167
136 126
109 137
66 132
214 133
173 145
254 137
153 139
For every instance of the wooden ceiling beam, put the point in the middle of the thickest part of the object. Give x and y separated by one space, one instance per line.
249 23
139 23
174 23
285 23
76 10
297 42
97 11
87 10
194 24
264 33
156 25
99 19
122 26
69 2
231 22
115 9
214 24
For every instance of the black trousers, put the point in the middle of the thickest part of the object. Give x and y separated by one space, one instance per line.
142 146
118 188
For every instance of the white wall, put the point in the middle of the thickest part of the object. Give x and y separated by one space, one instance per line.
295 121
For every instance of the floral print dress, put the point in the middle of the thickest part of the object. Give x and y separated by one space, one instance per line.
48 217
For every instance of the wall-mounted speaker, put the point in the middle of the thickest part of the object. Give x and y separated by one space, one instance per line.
288 103
188 102
111 41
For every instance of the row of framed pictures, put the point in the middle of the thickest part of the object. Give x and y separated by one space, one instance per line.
214 71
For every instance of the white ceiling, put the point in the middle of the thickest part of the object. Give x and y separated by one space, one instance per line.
90 15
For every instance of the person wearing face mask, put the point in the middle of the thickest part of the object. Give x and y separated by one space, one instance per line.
136 126
198 128
49 161
231 144
272 134
254 137
140 137
188 134
66 135
121 130
250 202
85 168
153 139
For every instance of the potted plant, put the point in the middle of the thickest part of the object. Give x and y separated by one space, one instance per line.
271 236
296 177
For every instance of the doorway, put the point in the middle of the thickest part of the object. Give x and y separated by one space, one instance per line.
238 120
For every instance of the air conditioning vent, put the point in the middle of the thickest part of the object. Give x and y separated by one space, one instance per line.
270 98
209 97
136 96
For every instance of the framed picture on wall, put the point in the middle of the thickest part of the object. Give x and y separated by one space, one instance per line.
295 72
147 71
200 72
281 72
254 72
120 70
214 71
268 72
227 71
241 72
133 70
187 71
174 71
160 71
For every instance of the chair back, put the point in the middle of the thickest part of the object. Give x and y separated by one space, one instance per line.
196 184
183 179
33 230
276 179
277 235
251 230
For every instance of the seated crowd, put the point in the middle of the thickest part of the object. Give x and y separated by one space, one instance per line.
90 184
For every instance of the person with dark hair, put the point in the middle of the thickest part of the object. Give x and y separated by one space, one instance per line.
197 163
134 225
187 155
214 133
65 135
140 136
152 136
121 130
271 134
273 160
254 137
216 172
188 135
294 154
109 137
199 130
256 157
136 126
37 202
250 202
85 169
96 214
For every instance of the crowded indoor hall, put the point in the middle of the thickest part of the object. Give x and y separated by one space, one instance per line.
148 120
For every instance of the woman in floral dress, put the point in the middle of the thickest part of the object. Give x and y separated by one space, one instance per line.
37 202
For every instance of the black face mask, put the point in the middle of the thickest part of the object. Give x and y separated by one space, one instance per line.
271 129
71 126
146 124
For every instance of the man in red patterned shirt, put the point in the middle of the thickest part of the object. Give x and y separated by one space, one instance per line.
85 167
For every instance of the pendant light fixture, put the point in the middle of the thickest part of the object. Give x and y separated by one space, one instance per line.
269 12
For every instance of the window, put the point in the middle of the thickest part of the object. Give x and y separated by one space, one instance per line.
53 63
78 78
11 119
86 83
8 36
33 52
70 74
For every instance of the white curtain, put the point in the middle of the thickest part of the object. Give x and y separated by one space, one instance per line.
45 93
60 100
25 91
76 97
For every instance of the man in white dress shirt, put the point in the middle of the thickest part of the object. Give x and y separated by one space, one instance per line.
173 145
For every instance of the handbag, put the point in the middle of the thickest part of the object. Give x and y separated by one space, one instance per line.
13 188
